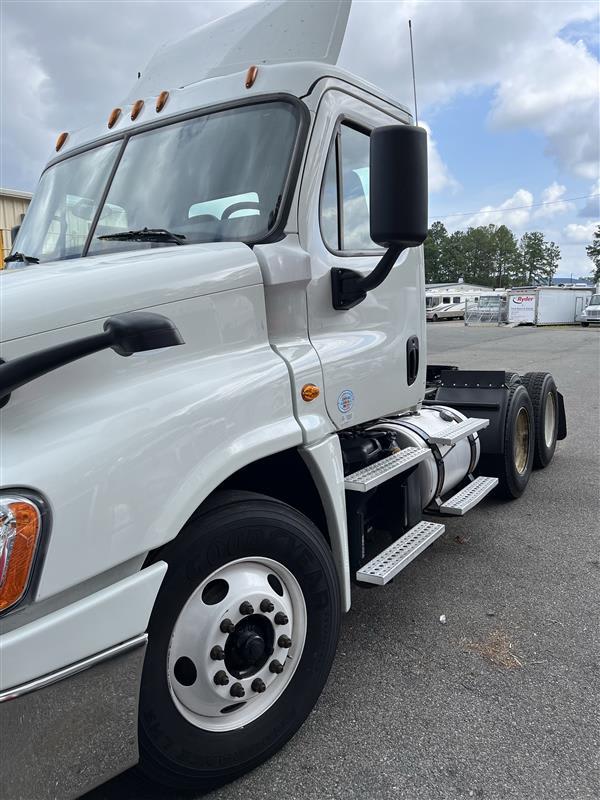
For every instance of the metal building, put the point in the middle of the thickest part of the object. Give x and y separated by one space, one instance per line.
13 205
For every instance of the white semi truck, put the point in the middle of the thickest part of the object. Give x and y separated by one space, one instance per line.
217 414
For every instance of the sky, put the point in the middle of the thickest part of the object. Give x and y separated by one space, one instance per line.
509 91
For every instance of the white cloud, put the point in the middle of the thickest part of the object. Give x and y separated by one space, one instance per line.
592 206
540 81
513 212
440 177
580 233
553 195
555 89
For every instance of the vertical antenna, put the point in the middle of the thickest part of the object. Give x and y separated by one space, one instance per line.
412 58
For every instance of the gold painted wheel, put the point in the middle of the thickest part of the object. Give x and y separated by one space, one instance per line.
521 441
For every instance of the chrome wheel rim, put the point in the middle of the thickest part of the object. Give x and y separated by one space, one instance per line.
521 441
550 420
236 644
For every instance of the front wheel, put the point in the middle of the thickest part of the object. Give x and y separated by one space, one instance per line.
241 642
585 324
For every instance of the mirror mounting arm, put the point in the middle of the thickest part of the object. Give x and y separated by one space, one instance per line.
349 288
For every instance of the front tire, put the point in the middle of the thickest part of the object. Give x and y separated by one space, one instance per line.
585 324
251 593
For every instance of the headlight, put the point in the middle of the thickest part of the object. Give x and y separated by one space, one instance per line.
20 524
584 313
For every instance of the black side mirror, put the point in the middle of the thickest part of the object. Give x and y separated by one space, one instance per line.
398 186
398 207
126 334
13 233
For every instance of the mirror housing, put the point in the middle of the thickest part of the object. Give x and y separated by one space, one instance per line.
126 334
398 207
398 186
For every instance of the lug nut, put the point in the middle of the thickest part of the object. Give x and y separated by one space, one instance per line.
258 685
221 678
276 666
281 618
284 641
246 608
218 654
227 626
266 606
237 690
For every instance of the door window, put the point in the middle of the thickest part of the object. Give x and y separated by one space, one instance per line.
345 195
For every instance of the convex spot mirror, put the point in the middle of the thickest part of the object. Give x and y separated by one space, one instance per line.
398 186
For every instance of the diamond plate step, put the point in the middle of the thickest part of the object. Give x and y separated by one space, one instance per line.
381 471
454 433
468 497
393 559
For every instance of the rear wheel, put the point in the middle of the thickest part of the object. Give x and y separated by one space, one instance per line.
513 466
544 398
241 641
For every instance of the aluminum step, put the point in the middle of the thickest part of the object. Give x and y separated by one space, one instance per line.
368 477
468 497
393 559
454 433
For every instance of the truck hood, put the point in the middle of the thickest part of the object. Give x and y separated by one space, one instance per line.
44 297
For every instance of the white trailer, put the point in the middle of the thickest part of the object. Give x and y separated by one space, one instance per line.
217 412
547 305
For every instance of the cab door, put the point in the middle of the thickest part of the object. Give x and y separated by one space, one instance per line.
373 355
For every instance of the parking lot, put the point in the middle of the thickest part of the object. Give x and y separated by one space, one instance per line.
501 701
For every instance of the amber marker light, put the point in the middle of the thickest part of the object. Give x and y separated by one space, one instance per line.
310 392
136 109
20 524
251 76
114 116
62 138
161 101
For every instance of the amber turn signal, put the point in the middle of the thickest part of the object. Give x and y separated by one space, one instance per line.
114 116
62 138
161 101
251 76
19 531
136 108
310 392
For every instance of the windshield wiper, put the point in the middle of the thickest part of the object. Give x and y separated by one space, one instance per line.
21 257
145 235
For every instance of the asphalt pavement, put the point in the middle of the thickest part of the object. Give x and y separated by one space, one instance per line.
503 700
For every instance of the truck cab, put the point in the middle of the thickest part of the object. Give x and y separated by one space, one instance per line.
217 412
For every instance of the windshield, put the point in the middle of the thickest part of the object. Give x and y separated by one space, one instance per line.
595 301
217 177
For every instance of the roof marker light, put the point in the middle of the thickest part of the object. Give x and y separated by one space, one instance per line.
62 138
136 109
114 116
251 76
161 101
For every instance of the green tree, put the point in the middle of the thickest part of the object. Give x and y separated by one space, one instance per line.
433 250
539 258
593 251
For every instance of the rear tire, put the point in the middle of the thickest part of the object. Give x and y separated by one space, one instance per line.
513 466
187 742
544 398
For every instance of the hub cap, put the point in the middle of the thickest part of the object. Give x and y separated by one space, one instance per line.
257 654
549 420
521 441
